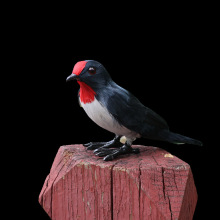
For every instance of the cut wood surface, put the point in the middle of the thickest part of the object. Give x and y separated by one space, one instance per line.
152 185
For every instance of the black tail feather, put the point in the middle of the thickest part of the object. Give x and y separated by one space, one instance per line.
180 139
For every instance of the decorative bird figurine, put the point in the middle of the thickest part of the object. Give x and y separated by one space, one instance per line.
118 111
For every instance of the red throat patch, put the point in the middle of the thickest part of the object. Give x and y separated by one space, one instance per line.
79 66
86 93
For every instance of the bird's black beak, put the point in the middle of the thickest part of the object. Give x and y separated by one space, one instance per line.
72 77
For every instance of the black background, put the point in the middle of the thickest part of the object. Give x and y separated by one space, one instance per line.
166 63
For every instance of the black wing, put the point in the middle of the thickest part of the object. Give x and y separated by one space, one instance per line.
130 112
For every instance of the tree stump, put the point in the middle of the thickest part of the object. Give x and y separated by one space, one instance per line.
151 185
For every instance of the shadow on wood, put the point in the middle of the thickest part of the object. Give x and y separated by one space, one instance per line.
151 185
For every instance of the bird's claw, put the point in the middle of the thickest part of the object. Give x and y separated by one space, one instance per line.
115 143
112 149
109 158
111 154
94 145
103 152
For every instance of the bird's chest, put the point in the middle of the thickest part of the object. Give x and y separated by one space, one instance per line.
104 119
98 114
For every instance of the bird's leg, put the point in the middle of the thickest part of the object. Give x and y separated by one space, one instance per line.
115 143
111 154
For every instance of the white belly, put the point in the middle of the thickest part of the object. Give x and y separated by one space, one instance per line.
100 116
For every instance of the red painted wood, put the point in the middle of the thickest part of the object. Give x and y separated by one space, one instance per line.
151 185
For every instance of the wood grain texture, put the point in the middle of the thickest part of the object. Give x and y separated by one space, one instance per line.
151 185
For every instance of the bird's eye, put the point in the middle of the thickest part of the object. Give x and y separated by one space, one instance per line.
92 70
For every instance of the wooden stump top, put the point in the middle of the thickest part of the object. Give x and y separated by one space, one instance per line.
151 185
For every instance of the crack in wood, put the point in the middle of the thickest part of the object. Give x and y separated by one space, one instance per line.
139 199
162 172
170 208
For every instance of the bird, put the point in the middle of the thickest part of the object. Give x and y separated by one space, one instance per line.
117 110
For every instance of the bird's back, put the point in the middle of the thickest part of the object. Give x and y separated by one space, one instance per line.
129 111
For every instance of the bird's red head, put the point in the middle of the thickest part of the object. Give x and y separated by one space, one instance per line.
86 93
79 66
91 76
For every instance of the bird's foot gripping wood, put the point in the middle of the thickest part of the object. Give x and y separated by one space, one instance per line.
111 154
115 143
